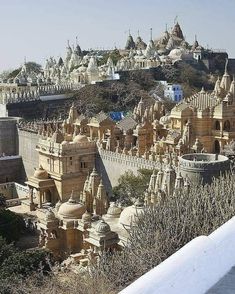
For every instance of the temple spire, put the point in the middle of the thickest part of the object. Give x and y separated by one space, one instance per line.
226 66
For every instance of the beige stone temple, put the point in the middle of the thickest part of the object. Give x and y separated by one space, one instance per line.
73 206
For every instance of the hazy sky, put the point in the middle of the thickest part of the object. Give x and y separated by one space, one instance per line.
38 29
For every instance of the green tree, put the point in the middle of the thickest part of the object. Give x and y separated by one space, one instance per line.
131 187
31 66
11 225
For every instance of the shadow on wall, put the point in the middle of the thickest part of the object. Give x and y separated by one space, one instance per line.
99 165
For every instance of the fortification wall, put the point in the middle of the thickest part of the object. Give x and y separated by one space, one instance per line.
11 169
112 165
27 149
8 136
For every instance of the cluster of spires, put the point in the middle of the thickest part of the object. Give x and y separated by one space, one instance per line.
163 184
94 196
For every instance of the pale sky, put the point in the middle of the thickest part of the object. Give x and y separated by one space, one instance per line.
37 29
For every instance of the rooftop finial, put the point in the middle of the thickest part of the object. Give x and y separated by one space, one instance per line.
138 33
176 19
76 40
151 33
195 38
129 32
226 66
166 27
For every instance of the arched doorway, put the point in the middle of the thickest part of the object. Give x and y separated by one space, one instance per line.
217 125
227 126
217 147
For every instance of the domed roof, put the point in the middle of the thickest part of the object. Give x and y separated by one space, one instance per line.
71 209
113 211
164 120
176 53
65 143
82 68
102 227
57 206
40 173
86 217
57 136
50 216
129 214
80 139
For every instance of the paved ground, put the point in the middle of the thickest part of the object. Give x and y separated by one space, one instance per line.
22 210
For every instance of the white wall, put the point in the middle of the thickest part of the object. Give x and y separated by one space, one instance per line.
193 269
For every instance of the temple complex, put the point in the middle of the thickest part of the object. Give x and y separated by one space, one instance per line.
69 165
78 68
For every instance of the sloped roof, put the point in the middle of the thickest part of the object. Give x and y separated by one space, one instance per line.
101 118
127 123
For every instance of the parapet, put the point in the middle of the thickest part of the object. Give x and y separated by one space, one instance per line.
203 167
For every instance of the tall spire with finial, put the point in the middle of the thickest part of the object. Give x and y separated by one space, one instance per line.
151 34
225 81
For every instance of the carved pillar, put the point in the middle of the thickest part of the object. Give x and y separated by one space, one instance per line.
39 199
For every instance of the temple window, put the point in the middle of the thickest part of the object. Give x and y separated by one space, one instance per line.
227 125
83 164
217 125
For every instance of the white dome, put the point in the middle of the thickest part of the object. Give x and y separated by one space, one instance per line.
113 211
80 139
130 215
176 54
164 120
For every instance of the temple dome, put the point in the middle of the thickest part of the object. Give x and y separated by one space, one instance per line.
102 227
130 214
176 53
80 139
71 209
50 216
86 217
113 211
57 137
40 173
65 143
164 120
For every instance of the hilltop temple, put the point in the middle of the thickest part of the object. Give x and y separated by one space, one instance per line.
79 157
79 67
70 165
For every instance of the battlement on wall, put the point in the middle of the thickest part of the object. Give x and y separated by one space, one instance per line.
63 149
35 93
130 161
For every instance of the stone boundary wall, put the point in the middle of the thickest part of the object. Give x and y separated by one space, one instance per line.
13 191
11 169
27 149
112 165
